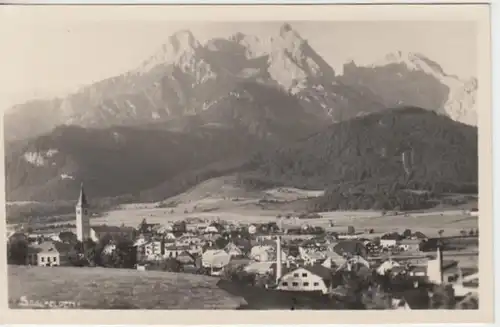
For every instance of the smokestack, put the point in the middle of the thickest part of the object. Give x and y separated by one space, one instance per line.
278 259
439 259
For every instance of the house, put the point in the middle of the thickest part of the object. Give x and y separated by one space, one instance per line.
418 236
188 240
213 228
98 232
195 249
333 259
411 245
153 249
390 240
311 255
310 278
261 252
387 266
173 251
147 229
49 254
352 247
265 253
169 236
215 258
260 268
162 229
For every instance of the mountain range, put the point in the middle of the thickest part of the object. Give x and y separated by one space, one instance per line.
194 111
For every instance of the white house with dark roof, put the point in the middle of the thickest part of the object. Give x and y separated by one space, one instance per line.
307 278
48 254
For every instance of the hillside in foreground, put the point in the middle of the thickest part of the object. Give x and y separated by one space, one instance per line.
101 288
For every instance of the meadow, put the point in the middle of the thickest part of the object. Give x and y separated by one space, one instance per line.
102 288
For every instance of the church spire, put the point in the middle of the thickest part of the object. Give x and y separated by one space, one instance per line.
82 199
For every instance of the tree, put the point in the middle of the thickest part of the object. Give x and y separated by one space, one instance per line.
180 226
443 297
407 233
221 242
171 265
125 254
17 252
374 298
68 237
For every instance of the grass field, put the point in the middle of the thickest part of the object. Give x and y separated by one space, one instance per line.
452 222
102 288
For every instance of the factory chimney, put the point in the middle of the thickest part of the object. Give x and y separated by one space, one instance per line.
278 259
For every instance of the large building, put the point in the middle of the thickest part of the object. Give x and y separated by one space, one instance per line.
82 217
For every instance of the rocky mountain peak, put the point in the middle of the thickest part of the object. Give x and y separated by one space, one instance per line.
413 61
181 46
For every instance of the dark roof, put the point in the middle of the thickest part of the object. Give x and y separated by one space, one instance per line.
418 234
391 236
321 271
351 247
185 256
242 243
82 199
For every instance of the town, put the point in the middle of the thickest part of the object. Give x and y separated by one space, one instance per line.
293 258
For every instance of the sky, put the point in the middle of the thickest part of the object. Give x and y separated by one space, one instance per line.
52 59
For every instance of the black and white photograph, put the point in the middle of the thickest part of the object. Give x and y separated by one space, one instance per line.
224 164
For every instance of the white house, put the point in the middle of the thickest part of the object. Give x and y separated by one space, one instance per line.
387 266
152 249
48 254
265 253
215 258
313 278
388 242
211 230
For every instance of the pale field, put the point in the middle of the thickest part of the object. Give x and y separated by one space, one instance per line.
102 288
452 222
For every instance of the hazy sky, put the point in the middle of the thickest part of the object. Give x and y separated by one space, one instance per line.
53 59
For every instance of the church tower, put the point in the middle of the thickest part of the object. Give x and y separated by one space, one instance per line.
82 217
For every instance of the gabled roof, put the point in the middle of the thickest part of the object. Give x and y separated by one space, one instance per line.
317 270
51 247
